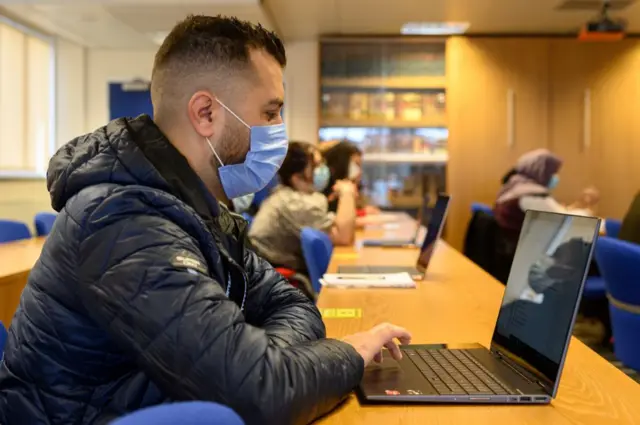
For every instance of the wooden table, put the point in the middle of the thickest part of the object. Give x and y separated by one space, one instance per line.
16 261
459 302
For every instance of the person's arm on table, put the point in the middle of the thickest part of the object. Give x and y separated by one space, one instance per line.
343 232
541 203
191 340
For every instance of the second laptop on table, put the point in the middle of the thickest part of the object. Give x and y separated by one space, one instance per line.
434 230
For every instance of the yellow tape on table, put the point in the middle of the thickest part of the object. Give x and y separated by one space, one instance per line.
341 313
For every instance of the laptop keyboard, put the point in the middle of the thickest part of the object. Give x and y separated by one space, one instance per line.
455 372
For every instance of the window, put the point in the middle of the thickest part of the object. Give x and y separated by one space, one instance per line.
26 101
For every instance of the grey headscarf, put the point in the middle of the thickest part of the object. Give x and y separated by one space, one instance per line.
533 173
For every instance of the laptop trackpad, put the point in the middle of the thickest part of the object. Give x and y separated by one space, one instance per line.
394 378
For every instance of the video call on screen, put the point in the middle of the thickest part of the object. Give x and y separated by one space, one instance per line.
544 284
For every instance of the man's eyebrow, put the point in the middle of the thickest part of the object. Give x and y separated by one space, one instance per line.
275 102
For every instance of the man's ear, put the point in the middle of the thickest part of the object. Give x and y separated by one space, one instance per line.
204 112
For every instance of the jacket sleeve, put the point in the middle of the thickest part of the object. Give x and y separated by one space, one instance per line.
190 339
287 315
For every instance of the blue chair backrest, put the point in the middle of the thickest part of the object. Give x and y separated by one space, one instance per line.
612 227
11 230
317 249
186 413
619 264
44 223
477 206
3 338
264 193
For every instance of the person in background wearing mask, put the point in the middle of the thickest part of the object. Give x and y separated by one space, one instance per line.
298 202
528 187
344 160
144 292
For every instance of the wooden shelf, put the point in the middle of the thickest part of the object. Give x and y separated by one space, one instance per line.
346 122
404 83
406 158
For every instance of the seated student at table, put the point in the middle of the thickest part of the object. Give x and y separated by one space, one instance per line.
297 203
528 188
630 230
144 292
344 160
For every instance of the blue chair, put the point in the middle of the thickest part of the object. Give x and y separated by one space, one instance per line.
11 230
619 263
317 249
612 227
3 338
185 413
594 287
262 194
44 223
477 206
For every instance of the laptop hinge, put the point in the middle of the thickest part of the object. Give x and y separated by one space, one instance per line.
518 369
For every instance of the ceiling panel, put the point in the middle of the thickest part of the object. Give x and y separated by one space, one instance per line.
387 16
123 24
134 24
146 19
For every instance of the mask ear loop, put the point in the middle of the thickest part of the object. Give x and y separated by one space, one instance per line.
214 151
233 113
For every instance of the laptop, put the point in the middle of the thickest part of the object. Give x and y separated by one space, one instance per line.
404 243
524 362
434 231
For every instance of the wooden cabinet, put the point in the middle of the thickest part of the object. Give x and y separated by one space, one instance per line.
497 110
508 96
594 98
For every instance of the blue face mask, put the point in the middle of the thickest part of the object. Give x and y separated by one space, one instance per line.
321 176
243 203
553 182
267 150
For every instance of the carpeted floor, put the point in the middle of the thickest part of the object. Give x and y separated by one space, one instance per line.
590 332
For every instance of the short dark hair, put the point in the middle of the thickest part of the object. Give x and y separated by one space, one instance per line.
200 44
338 158
299 155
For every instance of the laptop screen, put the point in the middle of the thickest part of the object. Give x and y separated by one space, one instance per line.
434 228
543 292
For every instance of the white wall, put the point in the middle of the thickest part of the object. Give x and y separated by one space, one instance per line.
110 66
71 85
302 93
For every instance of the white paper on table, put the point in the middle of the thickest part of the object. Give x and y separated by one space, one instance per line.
368 280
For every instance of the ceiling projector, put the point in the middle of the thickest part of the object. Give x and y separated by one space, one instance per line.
604 28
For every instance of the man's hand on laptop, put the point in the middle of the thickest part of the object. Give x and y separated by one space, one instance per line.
369 344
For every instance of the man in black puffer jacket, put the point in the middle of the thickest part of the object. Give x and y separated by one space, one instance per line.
144 292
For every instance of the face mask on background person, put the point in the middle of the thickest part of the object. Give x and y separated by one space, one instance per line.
321 177
267 150
354 171
243 203
555 179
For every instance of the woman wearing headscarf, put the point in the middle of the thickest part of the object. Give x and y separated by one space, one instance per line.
528 188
